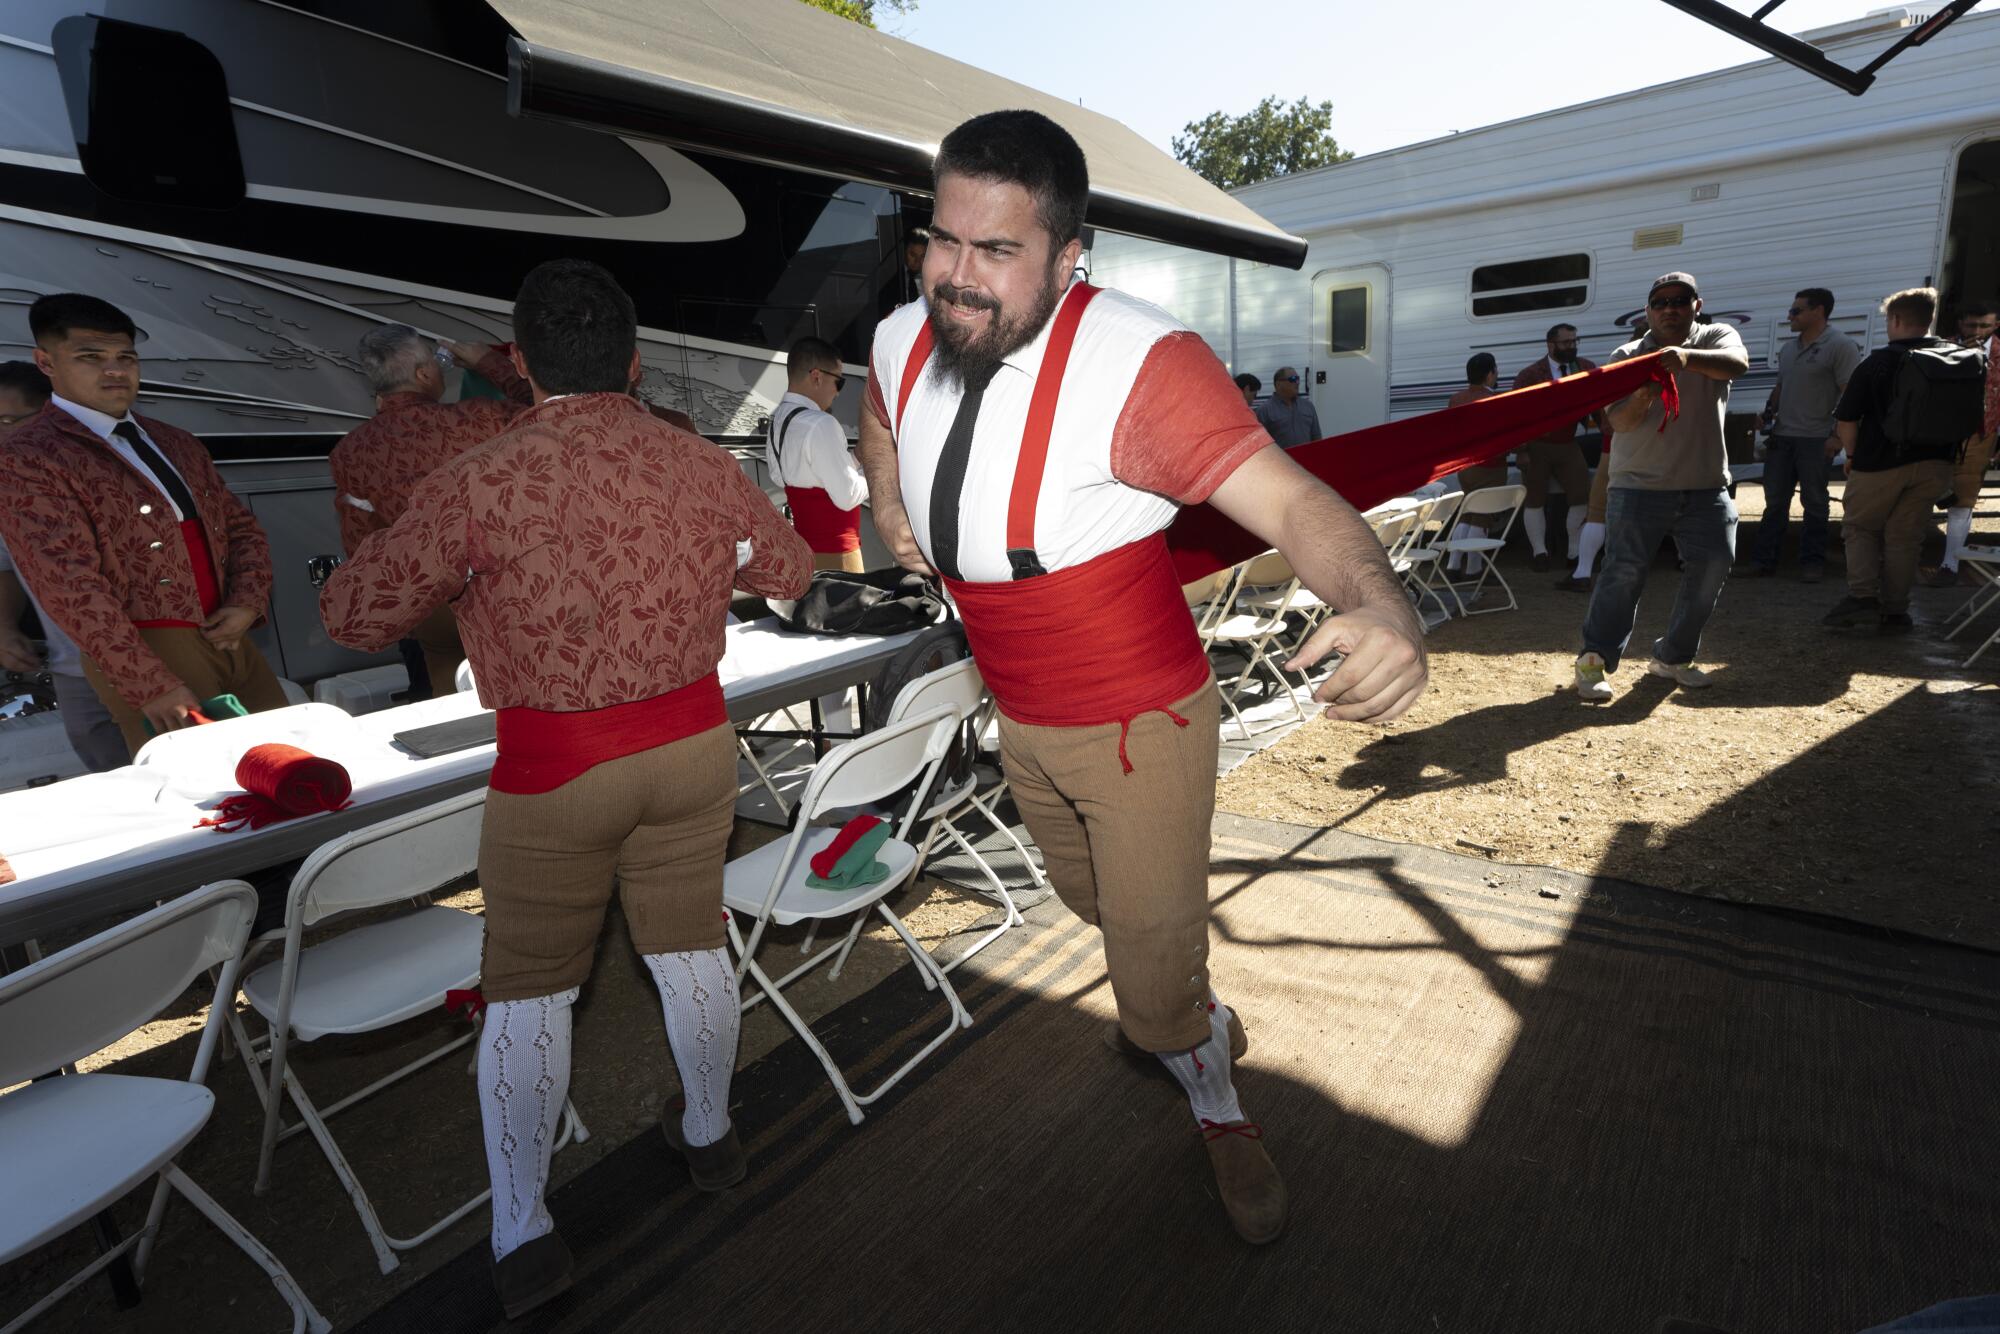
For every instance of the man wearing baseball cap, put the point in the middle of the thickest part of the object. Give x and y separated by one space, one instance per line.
1666 481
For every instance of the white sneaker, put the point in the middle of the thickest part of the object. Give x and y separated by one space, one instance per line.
1686 673
1591 687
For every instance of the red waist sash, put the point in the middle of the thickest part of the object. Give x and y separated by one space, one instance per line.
540 750
1101 642
827 528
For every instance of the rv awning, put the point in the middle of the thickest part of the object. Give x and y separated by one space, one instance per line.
780 82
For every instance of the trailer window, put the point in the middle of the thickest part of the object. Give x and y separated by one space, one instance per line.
1347 319
150 112
1559 282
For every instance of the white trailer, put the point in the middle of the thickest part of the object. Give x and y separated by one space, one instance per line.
1759 179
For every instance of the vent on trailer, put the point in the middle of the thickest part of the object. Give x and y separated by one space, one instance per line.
1657 238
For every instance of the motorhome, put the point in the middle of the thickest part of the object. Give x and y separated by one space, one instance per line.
258 182
1759 179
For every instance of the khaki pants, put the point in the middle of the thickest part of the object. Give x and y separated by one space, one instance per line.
1886 515
1129 852
1545 458
849 561
1600 491
1970 473
655 824
438 638
205 669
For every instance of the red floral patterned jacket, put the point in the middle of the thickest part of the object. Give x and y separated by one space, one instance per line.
382 460
590 552
100 546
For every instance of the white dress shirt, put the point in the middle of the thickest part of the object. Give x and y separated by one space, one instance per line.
102 424
815 455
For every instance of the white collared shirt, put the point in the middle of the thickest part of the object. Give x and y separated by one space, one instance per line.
101 424
814 453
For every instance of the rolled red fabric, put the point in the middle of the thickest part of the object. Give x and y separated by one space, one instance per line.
827 858
281 782
1369 466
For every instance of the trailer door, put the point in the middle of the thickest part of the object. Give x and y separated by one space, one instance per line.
1349 358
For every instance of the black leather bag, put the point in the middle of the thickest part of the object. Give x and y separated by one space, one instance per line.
884 602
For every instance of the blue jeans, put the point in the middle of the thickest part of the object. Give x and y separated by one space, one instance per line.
1792 460
1703 526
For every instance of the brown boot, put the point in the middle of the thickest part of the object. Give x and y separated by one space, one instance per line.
532 1273
1247 1179
716 1166
1115 1039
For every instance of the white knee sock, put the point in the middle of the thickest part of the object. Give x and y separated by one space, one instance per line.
1588 543
698 994
1204 1071
1536 522
1957 528
1573 521
524 1051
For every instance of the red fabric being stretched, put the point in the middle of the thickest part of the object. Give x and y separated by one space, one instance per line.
1370 466
280 782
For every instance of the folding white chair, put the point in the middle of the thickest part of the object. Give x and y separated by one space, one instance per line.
366 979
1486 502
1434 524
959 687
1256 631
461 680
75 1143
1984 562
769 885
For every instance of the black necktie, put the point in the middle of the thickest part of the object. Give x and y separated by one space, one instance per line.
948 483
170 481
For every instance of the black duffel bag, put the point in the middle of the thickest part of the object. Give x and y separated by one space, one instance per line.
883 602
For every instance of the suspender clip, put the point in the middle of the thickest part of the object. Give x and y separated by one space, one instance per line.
1026 566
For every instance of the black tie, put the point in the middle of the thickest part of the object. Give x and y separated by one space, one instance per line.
170 481
949 481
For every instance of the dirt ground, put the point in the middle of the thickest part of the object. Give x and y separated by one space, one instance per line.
1832 771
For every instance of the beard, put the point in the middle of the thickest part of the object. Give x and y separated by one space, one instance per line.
970 358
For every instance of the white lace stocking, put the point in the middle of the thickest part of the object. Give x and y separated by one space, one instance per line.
1204 1071
524 1050
698 994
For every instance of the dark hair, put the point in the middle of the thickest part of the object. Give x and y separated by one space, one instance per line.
917 236
56 314
1979 306
26 379
1249 381
1815 296
809 354
1555 329
1027 149
576 328
1480 365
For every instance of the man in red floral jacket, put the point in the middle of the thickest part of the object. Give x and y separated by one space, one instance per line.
590 551
412 434
125 530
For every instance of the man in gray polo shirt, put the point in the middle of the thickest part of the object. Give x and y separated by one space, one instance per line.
1291 420
1666 482
1813 370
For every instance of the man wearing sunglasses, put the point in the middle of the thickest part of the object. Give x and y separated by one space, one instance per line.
1291 420
1672 481
1813 370
809 456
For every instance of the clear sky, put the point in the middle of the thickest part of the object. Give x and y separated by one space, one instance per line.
1397 71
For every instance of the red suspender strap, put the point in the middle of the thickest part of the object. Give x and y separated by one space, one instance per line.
1034 456
913 369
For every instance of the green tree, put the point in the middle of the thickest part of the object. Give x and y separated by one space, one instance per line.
864 11
1272 139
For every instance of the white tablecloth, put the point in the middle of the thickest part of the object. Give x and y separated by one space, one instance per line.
144 815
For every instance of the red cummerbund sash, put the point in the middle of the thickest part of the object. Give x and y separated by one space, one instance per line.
540 750
827 528
1100 642
195 538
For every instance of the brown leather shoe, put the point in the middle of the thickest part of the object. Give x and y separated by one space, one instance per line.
1247 1180
1114 1038
532 1273
716 1166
